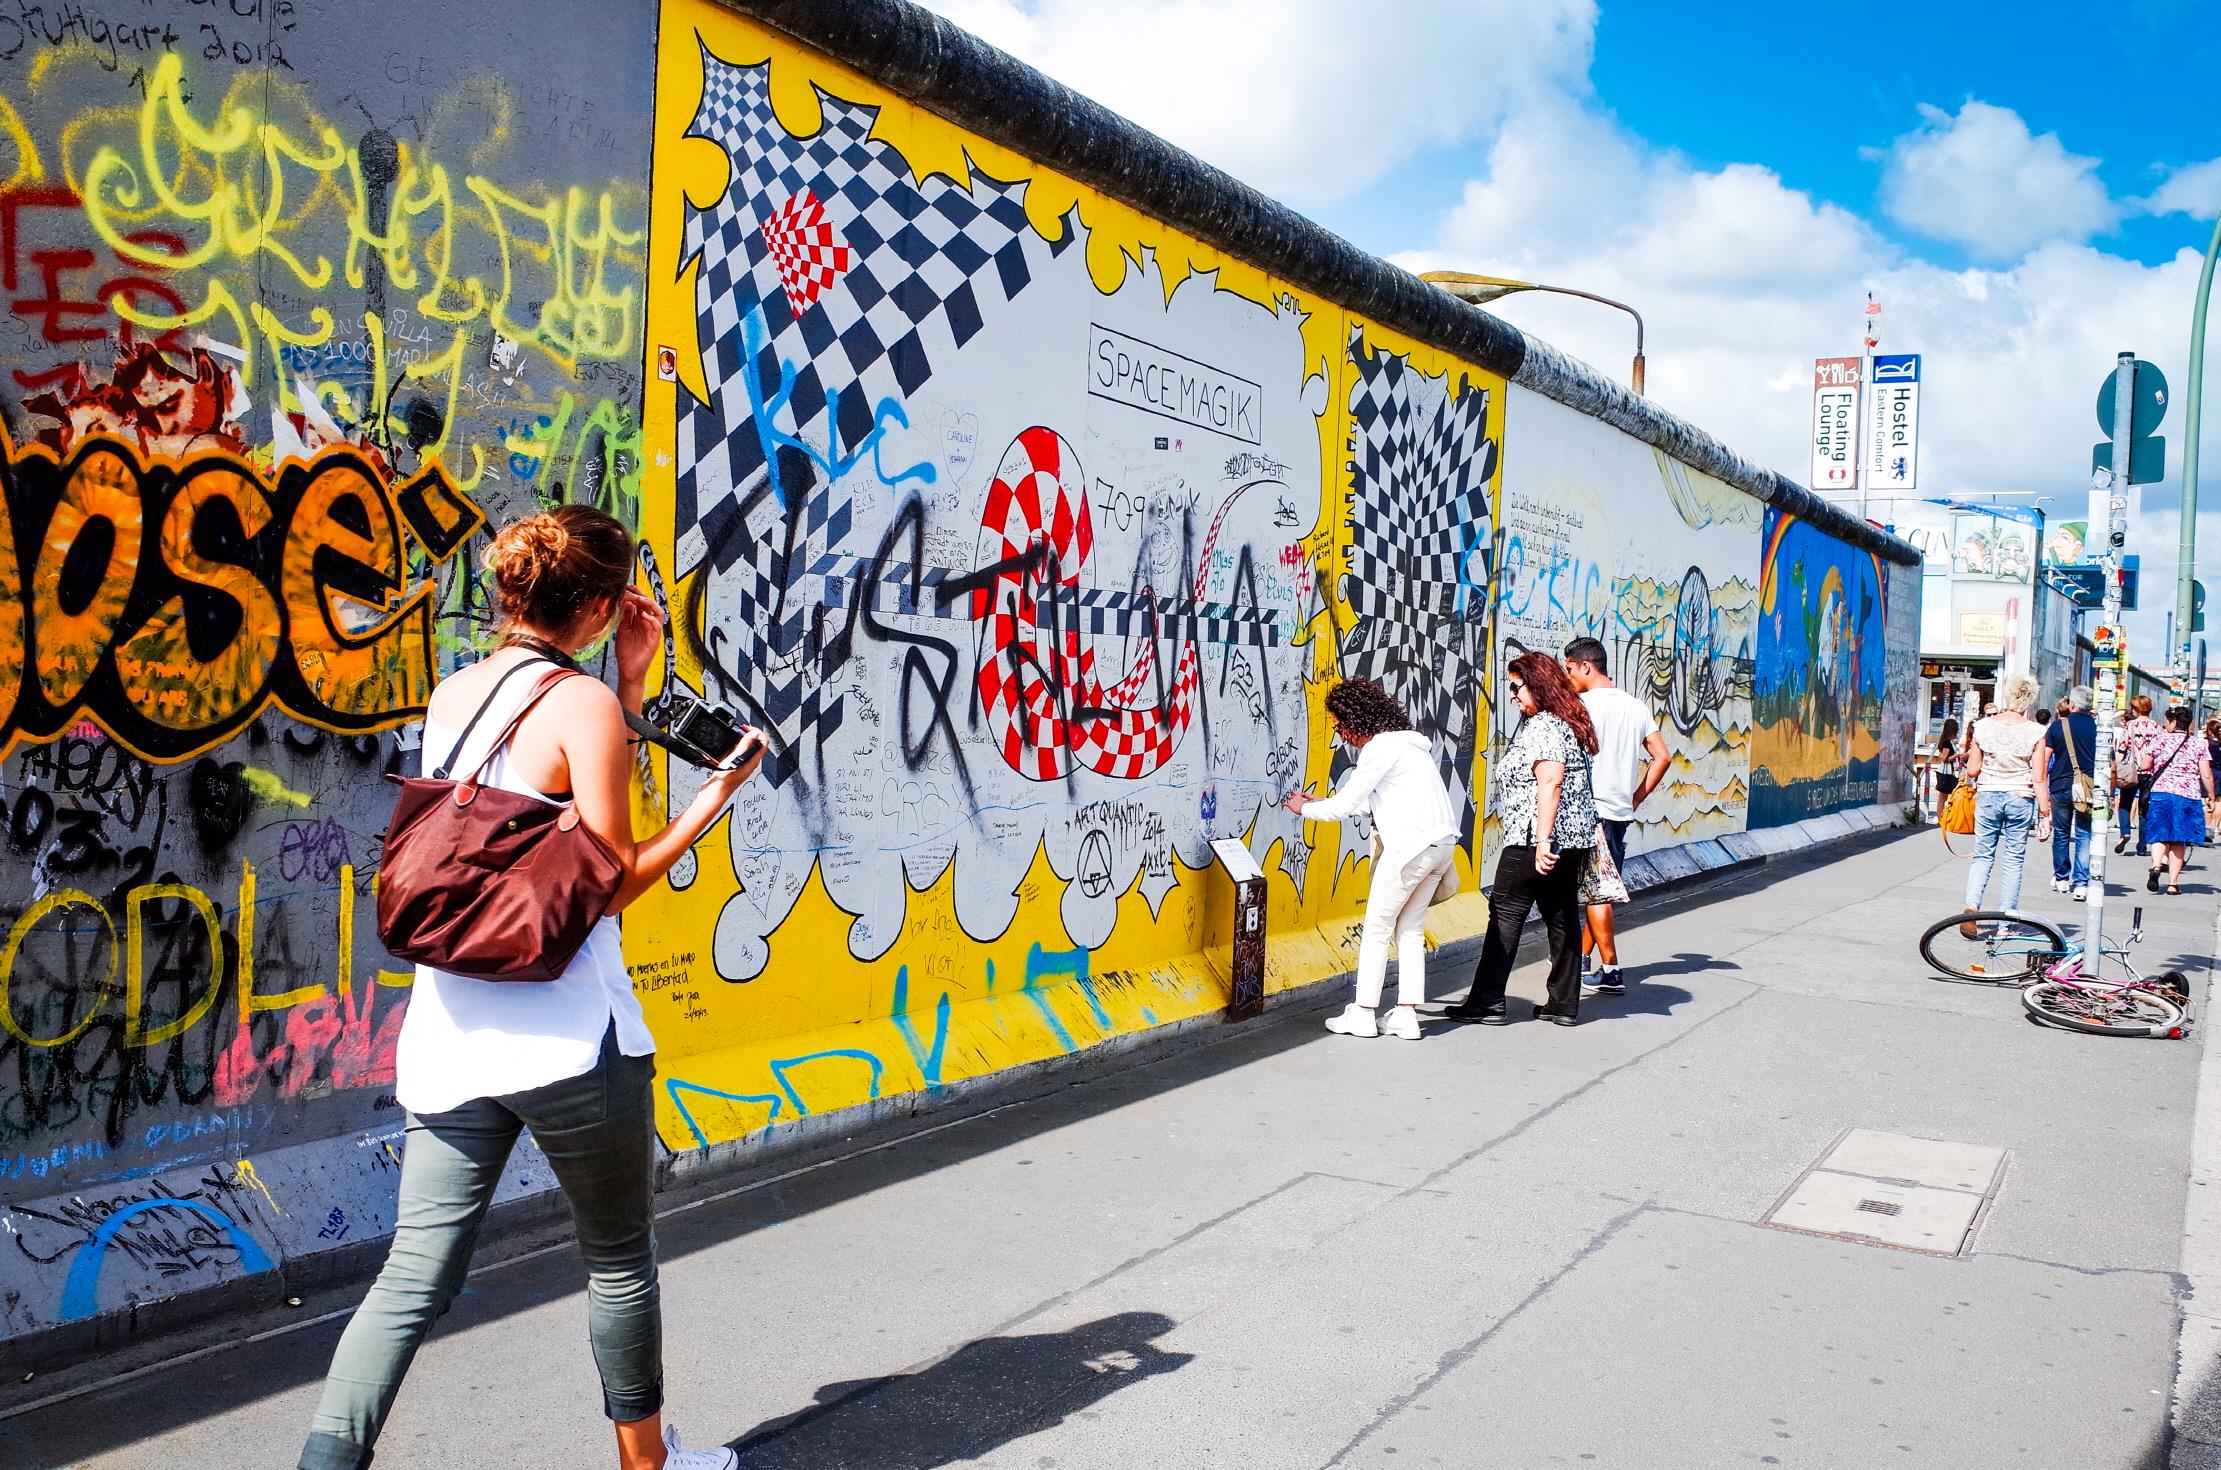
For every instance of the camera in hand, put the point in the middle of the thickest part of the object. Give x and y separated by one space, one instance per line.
694 730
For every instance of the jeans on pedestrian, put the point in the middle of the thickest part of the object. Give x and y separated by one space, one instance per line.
597 1131
1517 888
2070 840
1396 914
2002 822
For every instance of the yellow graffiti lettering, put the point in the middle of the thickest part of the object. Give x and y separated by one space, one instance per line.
55 902
135 970
249 1002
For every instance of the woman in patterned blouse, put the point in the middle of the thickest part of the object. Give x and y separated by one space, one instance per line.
1548 818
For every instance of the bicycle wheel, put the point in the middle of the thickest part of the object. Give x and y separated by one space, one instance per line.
1991 948
2101 1011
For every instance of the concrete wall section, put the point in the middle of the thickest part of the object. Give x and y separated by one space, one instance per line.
298 297
1604 536
1031 529
1817 696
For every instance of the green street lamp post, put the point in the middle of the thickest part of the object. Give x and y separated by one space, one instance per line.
2186 555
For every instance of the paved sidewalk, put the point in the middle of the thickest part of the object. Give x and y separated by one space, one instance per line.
1515 1247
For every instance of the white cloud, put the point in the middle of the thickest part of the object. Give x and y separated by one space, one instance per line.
1743 281
2194 189
1308 100
1983 181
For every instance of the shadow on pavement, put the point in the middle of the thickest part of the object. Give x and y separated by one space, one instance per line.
971 1402
1685 963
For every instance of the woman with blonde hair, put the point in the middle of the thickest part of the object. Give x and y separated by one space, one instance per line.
480 1061
2009 803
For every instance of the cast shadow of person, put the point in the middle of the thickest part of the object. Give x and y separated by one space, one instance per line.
975 1400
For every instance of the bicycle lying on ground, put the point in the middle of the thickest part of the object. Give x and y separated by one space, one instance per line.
1993 948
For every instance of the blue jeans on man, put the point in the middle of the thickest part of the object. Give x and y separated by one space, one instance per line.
2070 841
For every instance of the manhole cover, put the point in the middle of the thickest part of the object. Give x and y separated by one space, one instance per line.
1918 1194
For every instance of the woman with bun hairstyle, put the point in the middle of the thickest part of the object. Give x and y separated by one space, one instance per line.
571 1059
1548 820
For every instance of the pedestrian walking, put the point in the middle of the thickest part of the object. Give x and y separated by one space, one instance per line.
2213 753
2131 783
1415 838
2008 804
480 1061
2181 768
1946 761
2070 775
1548 819
1631 760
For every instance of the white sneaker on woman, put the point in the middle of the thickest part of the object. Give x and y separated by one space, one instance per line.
1355 1020
674 1458
1401 1023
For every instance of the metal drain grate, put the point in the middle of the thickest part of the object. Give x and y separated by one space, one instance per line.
1880 1207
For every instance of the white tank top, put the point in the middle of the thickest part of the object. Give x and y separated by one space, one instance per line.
463 1038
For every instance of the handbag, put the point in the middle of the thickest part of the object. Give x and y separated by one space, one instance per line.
1600 876
1957 815
491 884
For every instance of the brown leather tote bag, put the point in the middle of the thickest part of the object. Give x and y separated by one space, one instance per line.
488 883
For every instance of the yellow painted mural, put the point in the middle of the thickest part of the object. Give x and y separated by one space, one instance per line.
1033 533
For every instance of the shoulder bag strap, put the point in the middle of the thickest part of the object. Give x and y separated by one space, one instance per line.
2066 738
2163 765
553 677
463 739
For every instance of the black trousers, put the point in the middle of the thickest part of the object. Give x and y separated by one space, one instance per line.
1558 894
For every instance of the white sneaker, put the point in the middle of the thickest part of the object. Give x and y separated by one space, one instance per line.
1402 1023
1355 1020
2080 894
2060 885
674 1458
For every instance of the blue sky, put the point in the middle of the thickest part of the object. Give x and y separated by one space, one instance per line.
2130 85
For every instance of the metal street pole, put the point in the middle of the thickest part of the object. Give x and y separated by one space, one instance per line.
1481 290
2109 667
1869 339
2186 552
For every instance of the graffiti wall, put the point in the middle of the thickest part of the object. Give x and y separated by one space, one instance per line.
1901 705
1817 690
298 298
1000 507
1604 537
1032 529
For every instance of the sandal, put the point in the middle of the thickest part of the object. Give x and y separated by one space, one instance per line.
2151 881
2174 888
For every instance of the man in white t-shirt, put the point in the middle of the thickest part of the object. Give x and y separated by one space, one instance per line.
1631 759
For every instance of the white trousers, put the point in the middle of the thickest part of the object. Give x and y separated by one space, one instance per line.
1396 910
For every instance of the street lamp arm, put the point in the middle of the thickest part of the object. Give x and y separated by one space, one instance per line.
1478 290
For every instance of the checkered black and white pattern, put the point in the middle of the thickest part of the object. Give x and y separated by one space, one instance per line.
806 248
829 283
927 263
1419 524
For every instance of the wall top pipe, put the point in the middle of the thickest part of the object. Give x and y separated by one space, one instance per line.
949 71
